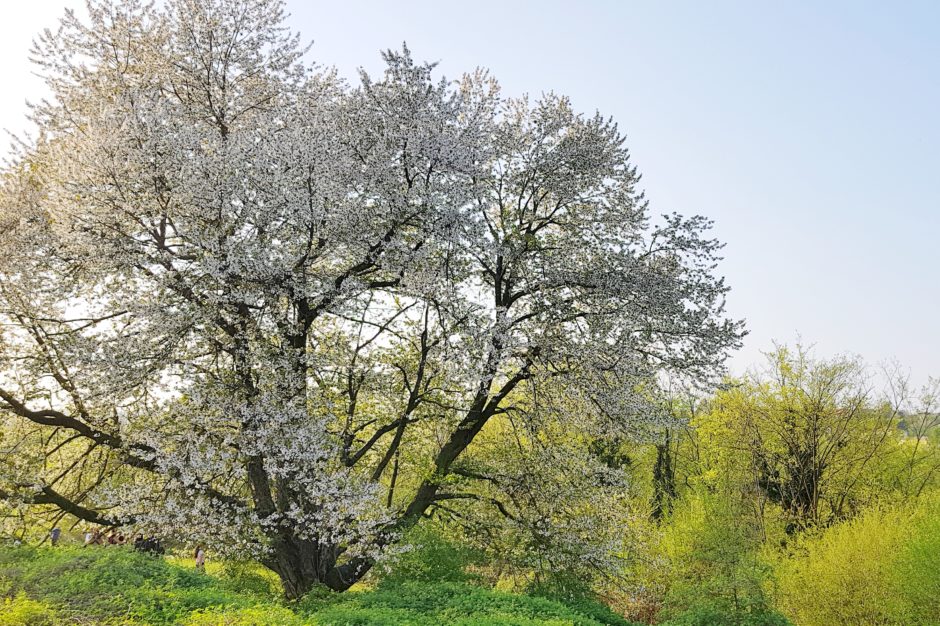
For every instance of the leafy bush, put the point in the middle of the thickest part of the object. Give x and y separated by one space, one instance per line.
423 603
249 577
431 557
575 593
713 574
843 575
22 611
880 569
108 583
716 615
916 572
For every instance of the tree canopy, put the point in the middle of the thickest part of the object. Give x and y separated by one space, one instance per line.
246 302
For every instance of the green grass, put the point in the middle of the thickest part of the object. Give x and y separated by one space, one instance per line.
111 586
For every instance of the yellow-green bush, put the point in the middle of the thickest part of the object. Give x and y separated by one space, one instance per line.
22 611
710 543
916 572
880 569
251 616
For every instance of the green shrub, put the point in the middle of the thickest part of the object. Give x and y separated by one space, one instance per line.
249 577
454 603
880 569
98 584
916 573
712 572
431 557
715 615
575 593
22 611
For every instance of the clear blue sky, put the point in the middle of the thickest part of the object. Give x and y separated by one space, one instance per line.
809 133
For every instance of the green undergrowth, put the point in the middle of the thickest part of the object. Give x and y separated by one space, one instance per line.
112 586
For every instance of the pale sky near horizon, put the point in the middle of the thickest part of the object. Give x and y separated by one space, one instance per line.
810 133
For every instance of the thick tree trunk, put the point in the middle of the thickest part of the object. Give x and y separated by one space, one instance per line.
302 564
296 563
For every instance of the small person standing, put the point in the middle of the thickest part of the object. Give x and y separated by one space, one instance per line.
200 555
54 535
